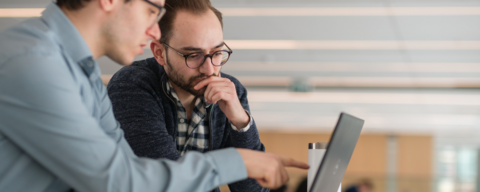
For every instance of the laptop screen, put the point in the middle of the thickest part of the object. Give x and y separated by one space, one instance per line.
339 151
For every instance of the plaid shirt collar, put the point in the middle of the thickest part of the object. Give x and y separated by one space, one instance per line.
193 134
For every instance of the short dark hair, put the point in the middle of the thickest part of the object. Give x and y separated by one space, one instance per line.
73 4
173 6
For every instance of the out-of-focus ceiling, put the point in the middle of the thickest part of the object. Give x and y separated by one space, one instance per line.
403 66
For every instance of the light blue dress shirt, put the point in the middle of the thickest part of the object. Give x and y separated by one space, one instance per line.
57 129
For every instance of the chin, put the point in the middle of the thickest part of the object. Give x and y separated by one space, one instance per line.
198 93
122 57
127 62
123 60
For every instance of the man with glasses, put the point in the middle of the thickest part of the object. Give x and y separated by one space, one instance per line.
57 127
179 101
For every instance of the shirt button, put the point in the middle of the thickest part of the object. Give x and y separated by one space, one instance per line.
182 120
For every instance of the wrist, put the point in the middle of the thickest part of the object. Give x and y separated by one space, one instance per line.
241 121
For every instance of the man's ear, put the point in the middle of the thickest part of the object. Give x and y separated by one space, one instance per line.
158 51
108 5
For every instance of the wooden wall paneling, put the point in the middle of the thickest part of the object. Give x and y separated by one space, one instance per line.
369 156
414 163
415 155
291 144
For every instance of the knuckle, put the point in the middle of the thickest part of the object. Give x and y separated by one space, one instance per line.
272 171
290 160
222 94
277 159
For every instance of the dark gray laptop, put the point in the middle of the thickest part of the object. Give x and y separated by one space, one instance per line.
339 151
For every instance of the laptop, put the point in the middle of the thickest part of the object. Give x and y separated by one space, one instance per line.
339 151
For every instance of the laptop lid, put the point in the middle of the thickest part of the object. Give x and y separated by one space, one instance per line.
339 151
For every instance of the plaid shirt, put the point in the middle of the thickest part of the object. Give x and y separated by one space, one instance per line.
194 134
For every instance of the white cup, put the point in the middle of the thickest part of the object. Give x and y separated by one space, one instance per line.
316 151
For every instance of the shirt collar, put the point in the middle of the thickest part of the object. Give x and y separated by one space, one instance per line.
67 34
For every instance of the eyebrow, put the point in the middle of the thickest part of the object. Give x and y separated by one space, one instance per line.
159 4
199 49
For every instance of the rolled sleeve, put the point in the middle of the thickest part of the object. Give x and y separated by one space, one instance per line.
245 129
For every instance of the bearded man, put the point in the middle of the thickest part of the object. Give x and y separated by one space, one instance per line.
179 101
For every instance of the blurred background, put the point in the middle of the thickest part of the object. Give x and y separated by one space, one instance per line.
409 68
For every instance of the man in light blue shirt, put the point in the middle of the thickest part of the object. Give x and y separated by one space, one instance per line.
57 129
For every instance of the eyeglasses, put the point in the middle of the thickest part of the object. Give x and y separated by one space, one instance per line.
160 12
195 60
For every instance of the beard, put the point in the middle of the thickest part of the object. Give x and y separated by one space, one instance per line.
179 79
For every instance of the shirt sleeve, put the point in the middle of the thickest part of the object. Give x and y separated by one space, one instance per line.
245 129
43 114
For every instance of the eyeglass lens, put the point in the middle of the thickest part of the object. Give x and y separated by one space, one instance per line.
218 58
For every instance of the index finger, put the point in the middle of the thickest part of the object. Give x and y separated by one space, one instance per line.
207 81
290 162
203 83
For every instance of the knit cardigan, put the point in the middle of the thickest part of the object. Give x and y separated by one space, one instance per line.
148 117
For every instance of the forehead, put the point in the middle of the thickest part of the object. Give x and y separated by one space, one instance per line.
199 30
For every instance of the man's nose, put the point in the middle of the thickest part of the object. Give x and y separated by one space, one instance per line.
154 32
207 67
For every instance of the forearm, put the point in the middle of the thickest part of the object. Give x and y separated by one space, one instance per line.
247 137
65 141
98 164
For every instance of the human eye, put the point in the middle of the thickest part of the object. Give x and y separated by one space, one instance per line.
193 56
218 53
153 11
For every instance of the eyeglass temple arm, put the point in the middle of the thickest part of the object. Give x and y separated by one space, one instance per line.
175 50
